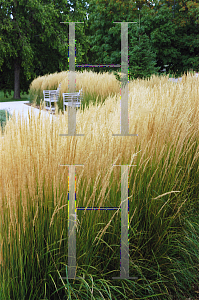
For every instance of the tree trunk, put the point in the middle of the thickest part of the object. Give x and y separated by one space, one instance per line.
17 79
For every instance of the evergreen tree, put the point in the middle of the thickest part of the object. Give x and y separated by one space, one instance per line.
142 59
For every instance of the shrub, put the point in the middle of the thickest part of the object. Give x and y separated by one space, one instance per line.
3 117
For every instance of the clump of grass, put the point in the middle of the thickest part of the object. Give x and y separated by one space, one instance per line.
90 82
163 197
4 115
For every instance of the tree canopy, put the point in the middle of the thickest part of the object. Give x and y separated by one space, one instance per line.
34 42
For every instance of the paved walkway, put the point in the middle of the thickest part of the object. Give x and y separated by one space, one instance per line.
21 108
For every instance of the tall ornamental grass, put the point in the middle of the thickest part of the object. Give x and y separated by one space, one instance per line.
163 195
93 85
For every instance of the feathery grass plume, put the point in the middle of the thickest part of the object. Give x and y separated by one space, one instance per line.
163 192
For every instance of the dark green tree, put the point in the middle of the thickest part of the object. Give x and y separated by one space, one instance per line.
175 36
142 59
174 44
34 42
104 35
158 26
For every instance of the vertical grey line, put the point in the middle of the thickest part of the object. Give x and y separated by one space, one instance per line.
124 267
124 79
71 80
71 225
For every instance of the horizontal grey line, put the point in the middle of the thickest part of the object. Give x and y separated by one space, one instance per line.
83 22
85 65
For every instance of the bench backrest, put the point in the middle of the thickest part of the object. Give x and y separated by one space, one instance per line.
52 94
70 98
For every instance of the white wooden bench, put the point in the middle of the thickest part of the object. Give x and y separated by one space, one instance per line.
72 99
51 96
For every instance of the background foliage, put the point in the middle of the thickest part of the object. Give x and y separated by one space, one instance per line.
166 33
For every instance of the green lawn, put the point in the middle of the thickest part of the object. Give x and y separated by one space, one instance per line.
10 98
